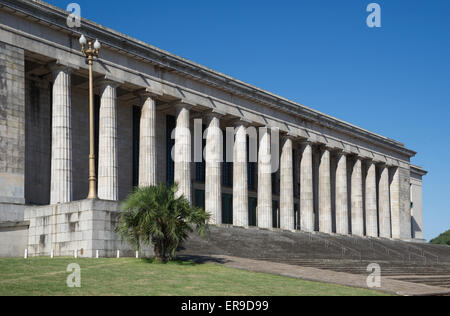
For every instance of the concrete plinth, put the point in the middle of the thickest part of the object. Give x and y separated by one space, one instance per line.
85 226
13 239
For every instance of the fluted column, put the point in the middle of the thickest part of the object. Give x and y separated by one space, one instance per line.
108 186
265 219
306 189
147 143
384 203
357 199
325 217
341 195
182 159
61 161
371 201
213 161
240 181
287 185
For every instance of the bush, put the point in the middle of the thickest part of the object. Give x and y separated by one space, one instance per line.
443 239
155 215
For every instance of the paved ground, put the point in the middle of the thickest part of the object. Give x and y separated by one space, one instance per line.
388 284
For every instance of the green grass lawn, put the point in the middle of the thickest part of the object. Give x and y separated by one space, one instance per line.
44 276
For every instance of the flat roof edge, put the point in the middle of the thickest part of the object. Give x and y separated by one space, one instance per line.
268 98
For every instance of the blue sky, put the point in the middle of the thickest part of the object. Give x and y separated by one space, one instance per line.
393 80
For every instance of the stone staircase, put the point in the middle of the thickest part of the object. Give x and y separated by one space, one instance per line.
411 262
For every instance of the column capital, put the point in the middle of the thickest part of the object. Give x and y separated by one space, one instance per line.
182 104
146 93
342 152
288 135
325 147
242 121
358 158
305 142
214 113
60 65
384 164
109 81
368 159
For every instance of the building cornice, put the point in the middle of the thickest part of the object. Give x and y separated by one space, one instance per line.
56 17
418 170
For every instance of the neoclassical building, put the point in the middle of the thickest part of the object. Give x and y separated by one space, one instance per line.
333 177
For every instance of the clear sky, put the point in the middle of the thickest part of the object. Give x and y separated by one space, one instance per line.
393 80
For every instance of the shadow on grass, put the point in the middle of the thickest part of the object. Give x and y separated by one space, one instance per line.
177 261
187 260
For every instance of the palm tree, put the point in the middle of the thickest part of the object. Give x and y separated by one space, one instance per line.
155 215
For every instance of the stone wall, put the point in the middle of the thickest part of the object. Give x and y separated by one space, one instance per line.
161 147
13 239
417 206
86 226
125 148
400 203
38 141
12 125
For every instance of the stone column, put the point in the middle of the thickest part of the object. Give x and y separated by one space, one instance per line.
61 164
371 201
384 203
306 189
357 199
287 185
182 156
213 175
325 216
147 143
108 186
265 219
341 194
240 181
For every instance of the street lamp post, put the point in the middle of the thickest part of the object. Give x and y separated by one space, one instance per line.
91 52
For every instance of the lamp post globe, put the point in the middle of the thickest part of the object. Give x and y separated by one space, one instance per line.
83 40
97 45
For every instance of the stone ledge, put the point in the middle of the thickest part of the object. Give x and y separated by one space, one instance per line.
14 224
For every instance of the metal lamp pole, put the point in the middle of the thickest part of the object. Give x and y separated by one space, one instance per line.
91 52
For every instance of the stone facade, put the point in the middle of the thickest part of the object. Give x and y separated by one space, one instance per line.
334 177
12 124
417 202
